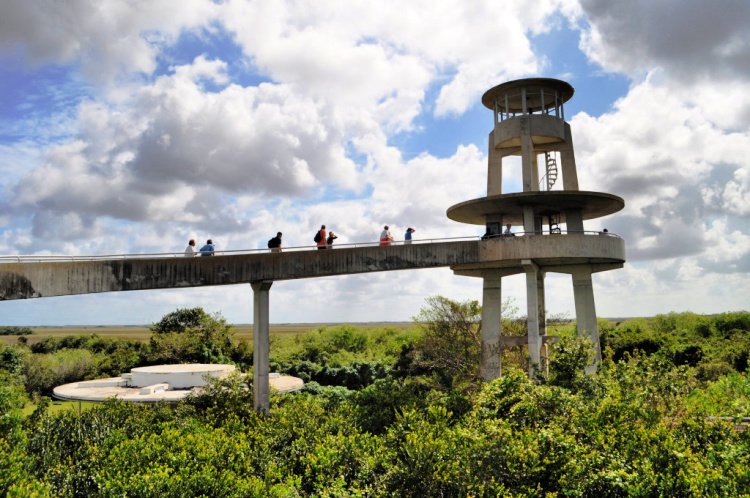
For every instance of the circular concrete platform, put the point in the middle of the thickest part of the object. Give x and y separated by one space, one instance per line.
169 383
182 376
591 204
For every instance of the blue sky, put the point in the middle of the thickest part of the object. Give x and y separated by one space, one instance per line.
130 127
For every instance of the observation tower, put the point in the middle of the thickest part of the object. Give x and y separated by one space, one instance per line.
547 218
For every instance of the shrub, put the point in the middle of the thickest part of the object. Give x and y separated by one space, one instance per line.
11 358
727 322
713 371
689 355
568 361
43 372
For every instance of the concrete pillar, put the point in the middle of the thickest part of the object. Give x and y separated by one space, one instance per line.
538 224
568 162
541 306
527 150
529 220
261 345
490 366
574 220
583 293
535 171
494 168
532 314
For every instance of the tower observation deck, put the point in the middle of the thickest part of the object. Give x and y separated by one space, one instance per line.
529 121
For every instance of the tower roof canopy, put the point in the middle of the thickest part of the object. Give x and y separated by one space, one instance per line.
535 89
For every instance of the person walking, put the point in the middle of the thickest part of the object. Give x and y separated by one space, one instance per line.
320 238
407 235
508 232
385 237
331 237
274 244
190 249
208 249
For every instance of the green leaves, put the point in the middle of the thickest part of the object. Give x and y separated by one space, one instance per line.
640 426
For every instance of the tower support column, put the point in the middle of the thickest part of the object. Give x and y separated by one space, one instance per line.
583 293
527 151
568 162
494 168
534 307
490 364
534 170
261 345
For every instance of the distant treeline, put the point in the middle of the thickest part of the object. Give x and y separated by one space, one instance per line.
8 330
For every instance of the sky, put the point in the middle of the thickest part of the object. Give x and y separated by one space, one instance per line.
133 126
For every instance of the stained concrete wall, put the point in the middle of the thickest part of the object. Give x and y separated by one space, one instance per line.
550 251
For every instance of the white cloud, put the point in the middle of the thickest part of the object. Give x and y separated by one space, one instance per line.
736 195
665 156
105 37
384 55
692 40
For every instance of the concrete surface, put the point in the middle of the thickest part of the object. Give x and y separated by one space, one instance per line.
169 383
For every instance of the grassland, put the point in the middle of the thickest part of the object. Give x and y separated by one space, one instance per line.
142 332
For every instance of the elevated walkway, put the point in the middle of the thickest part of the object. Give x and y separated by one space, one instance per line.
34 277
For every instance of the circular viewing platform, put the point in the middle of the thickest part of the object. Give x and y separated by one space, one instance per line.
553 252
170 383
592 205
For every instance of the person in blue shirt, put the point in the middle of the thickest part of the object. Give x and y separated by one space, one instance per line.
407 235
208 249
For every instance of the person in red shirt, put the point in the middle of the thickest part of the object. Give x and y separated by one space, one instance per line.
322 239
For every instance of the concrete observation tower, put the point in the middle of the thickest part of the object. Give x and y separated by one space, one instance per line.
529 121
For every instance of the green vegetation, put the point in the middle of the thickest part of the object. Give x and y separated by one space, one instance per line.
389 412
7 330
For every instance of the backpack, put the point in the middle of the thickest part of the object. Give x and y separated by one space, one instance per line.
270 243
316 239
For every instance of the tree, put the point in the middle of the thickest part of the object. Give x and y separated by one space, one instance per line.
191 335
451 346
180 320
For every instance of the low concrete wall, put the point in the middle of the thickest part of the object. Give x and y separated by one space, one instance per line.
553 247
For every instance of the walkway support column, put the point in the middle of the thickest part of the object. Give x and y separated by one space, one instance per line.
583 293
532 314
490 365
261 344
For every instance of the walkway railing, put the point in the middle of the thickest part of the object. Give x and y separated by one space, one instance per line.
62 258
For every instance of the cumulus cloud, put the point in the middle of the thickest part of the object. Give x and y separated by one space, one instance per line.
105 37
384 56
667 157
175 149
690 39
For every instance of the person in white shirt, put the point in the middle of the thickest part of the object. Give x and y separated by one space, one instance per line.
190 249
385 237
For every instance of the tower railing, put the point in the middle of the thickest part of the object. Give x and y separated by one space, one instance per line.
503 111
